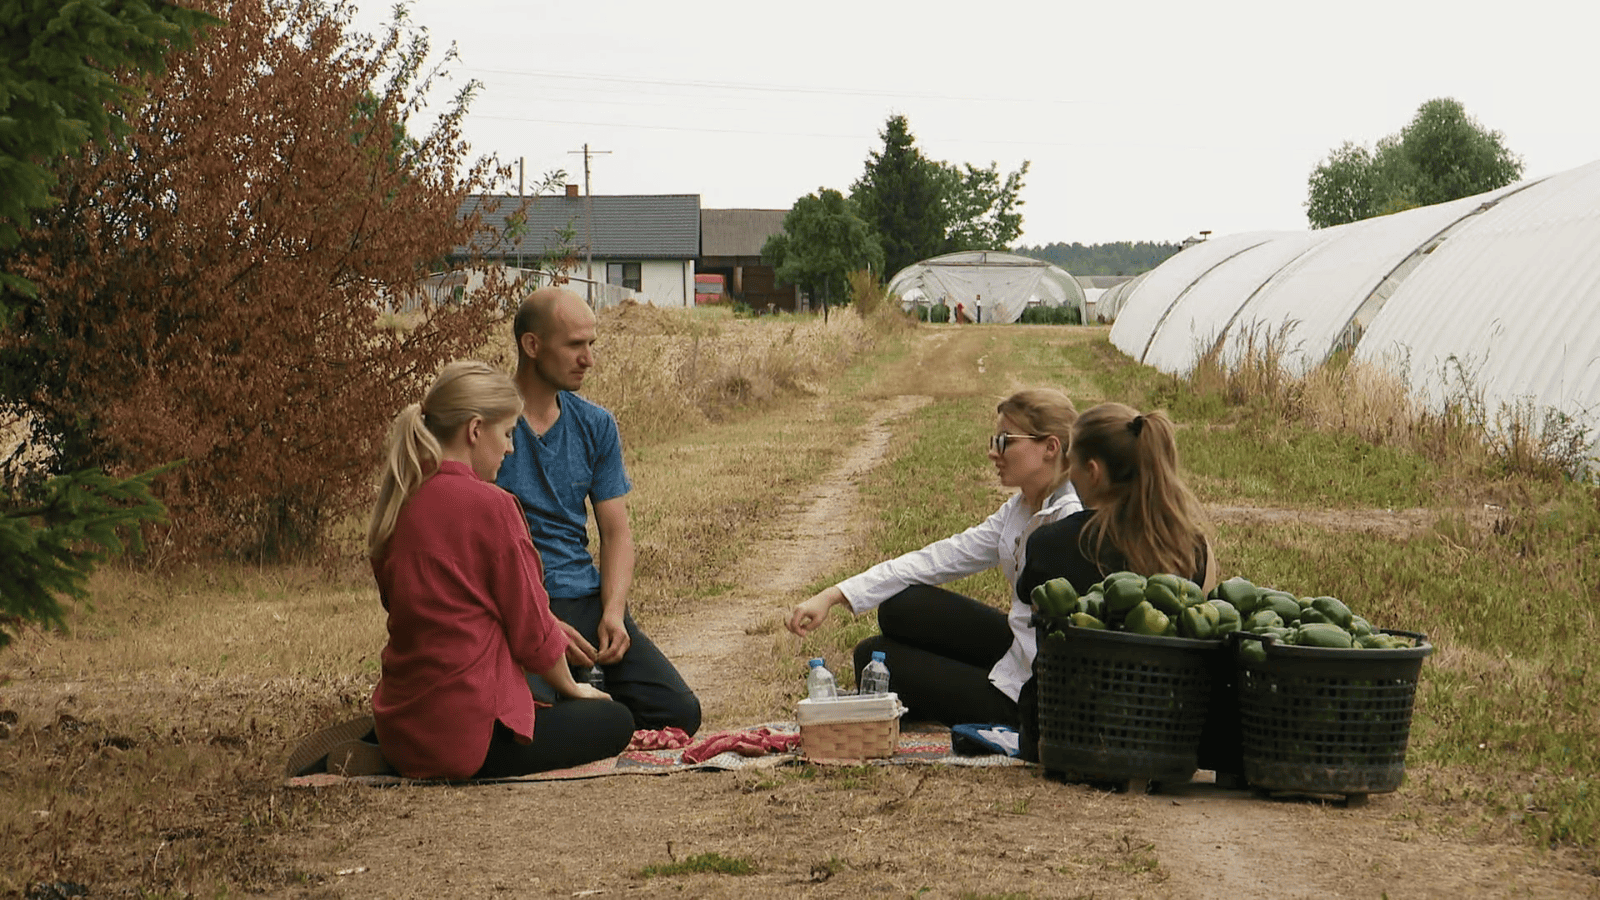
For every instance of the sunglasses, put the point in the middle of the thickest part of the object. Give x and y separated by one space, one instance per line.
999 442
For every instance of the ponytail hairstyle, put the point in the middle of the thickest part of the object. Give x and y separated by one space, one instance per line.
1149 516
464 390
1045 412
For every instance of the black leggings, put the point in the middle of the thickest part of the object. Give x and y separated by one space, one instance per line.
570 733
939 647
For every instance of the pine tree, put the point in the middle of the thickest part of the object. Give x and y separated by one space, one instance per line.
902 196
49 548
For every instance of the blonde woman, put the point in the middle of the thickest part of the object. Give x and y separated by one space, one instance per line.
951 658
468 615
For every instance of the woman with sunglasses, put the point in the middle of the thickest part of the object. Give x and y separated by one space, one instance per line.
951 658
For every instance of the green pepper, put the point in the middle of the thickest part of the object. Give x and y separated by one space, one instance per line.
1334 610
1084 620
1263 618
1123 595
1192 593
1322 634
1228 619
1055 599
1253 652
1094 605
1286 605
1165 592
1146 619
1199 622
1063 596
1311 615
1240 593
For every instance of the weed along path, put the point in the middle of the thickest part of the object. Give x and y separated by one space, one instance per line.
892 831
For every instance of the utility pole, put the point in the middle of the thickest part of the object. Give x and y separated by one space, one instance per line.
588 218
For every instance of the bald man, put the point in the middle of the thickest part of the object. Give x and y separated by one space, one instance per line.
568 451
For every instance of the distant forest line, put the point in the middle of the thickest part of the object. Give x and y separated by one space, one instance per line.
1115 258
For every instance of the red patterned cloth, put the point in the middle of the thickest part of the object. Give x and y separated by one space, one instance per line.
759 742
668 738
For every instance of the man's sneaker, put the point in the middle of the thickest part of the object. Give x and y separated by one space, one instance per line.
309 756
358 758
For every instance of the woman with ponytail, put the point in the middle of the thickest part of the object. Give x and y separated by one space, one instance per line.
951 658
468 616
1138 515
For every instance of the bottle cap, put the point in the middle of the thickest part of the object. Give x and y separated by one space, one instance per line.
816 662
877 655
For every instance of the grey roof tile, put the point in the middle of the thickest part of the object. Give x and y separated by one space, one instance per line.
626 226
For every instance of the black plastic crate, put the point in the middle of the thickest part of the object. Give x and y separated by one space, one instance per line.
1119 707
1316 720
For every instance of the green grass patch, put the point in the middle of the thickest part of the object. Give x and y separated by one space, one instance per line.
1301 467
702 863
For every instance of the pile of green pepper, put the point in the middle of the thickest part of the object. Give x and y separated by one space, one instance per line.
1158 606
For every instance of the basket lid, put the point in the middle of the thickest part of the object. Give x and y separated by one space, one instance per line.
847 708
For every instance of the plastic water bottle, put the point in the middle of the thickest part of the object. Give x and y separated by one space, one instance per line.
875 677
819 682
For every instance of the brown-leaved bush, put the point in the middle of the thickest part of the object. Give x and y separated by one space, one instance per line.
213 288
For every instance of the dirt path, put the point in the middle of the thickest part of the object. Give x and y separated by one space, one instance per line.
901 831
707 645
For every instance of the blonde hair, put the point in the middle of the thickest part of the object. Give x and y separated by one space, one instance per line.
1149 516
464 390
1045 412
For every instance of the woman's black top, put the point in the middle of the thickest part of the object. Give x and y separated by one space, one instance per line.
1054 551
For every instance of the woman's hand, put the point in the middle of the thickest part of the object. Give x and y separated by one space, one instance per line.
808 615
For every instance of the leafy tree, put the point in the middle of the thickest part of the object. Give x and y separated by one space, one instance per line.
901 195
211 290
922 208
59 90
981 207
1450 155
823 240
1441 155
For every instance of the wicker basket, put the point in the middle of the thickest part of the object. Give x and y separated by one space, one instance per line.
850 729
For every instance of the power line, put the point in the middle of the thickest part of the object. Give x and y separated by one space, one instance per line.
766 88
798 134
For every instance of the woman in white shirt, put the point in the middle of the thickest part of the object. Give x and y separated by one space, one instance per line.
951 658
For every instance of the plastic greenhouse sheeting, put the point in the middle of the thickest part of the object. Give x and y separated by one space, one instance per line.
1513 297
1146 308
1000 285
1501 289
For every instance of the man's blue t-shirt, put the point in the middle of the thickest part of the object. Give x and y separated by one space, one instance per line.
580 457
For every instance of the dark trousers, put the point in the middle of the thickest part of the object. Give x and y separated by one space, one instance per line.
570 733
939 647
644 680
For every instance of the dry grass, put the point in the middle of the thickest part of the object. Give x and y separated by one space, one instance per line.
1375 402
147 744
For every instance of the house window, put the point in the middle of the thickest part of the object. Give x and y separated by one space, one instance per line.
625 274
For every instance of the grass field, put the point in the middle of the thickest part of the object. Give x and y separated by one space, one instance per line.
143 749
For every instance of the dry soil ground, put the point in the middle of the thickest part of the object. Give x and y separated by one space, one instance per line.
901 831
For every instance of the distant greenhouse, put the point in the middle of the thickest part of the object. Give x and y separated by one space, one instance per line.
990 285
1503 286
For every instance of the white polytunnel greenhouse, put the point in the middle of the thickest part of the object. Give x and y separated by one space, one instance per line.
1502 287
990 285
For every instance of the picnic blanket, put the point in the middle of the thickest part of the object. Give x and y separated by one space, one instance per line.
915 748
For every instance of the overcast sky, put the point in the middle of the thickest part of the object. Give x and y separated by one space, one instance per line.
1142 121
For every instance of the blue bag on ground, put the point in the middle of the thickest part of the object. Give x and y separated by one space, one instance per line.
983 740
